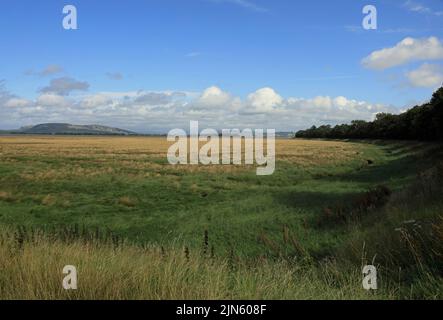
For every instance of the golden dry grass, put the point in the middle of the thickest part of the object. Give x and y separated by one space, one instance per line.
144 156
33 270
122 147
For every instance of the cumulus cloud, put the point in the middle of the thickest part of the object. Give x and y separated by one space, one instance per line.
213 97
157 98
51 100
147 111
322 102
264 100
427 75
64 86
407 50
96 100
332 110
11 106
17 103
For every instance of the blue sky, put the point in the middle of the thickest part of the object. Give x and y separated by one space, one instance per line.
251 58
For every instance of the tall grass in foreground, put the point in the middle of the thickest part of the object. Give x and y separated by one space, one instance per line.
32 269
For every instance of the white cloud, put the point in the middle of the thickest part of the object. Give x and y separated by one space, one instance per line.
213 97
158 98
341 102
264 100
51 100
96 100
148 111
340 109
408 50
427 75
17 103
322 102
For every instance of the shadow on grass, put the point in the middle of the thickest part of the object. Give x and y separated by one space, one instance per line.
403 163
400 167
312 200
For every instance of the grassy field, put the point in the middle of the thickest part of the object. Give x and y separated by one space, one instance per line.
115 206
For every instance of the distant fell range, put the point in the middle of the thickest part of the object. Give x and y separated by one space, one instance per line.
93 129
70 129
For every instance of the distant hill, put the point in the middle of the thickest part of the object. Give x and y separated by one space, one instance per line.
71 129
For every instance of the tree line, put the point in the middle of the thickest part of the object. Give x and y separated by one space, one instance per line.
423 122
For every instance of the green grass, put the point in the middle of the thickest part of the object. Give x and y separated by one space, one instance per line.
234 208
245 216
